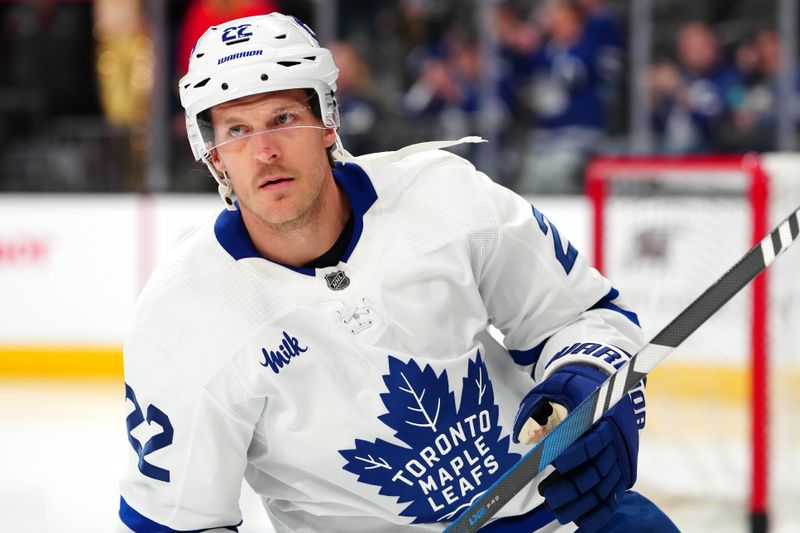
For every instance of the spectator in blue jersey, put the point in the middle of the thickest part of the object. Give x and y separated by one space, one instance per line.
446 90
563 91
358 110
444 99
755 106
518 38
604 28
690 99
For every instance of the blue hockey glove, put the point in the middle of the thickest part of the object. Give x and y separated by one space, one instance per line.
593 473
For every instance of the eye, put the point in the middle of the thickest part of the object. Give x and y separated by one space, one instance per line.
238 130
284 118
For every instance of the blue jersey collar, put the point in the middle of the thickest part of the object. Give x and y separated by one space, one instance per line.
233 237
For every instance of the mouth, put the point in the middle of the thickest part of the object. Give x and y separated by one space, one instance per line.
273 182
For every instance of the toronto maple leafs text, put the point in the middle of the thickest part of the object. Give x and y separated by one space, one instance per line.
455 465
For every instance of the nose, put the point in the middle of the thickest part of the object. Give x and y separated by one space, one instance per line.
265 149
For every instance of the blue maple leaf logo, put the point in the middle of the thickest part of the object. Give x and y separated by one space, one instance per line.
453 455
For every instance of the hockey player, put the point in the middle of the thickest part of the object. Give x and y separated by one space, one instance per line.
326 336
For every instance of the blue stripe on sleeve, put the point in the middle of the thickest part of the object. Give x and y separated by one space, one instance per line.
141 524
607 302
528 357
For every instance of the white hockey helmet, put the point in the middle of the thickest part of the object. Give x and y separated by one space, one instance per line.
249 56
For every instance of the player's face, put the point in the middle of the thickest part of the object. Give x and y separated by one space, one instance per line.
274 151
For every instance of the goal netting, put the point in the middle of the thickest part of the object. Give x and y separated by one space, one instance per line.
722 443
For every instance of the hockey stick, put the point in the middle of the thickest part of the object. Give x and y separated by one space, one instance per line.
628 376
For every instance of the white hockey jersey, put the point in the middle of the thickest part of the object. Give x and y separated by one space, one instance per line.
366 396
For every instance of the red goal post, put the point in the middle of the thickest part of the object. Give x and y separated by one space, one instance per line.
604 173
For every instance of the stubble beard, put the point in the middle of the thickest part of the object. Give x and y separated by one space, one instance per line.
295 216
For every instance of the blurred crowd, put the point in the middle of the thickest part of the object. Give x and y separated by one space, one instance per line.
705 101
546 79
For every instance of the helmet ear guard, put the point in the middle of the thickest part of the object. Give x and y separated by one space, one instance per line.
254 55
224 186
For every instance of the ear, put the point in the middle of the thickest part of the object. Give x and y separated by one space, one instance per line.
329 137
218 164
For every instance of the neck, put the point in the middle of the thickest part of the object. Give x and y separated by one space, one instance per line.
302 240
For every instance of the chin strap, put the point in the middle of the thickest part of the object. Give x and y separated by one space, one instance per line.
339 153
224 186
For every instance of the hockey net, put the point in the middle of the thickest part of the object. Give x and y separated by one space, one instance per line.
722 442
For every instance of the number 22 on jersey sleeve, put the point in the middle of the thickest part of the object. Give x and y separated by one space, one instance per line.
156 442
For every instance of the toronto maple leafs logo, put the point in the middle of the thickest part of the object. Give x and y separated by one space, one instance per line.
453 455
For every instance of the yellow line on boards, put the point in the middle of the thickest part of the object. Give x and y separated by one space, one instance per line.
717 382
729 384
61 361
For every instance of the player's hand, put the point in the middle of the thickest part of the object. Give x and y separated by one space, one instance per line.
593 473
544 416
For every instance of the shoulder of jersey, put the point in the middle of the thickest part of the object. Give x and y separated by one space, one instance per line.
196 261
436 173
201 304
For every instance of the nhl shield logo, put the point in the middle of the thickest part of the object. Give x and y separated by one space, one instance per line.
337 281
